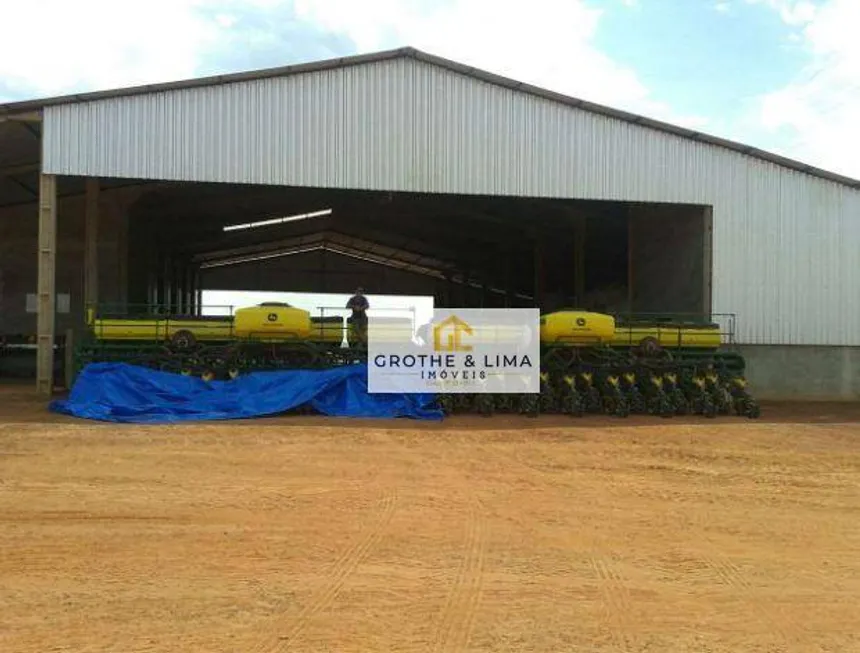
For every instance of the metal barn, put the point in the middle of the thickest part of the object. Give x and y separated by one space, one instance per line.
456 182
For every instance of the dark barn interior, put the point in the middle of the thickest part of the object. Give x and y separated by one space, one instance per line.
135 246
468 251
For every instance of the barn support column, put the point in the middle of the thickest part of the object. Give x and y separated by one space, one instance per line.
91 245
121 211
151 292
192 288
163 290
47 261
167 284
630 245
181 305
197 291
182 270
179 275
708 262
153 283
173 276
178 286
538 280
579 259
189 288
190 294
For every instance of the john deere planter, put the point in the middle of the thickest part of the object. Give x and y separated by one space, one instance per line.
591 363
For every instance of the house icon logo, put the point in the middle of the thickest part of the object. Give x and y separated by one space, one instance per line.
448 334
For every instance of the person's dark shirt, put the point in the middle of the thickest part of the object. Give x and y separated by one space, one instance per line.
358 304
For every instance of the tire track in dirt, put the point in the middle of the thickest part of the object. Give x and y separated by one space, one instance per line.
616 601
732 576
334 580
612 585
458 616
464 597
279 496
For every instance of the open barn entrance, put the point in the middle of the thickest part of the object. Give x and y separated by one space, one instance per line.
612 257
165 243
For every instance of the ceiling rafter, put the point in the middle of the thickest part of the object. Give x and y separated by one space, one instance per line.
326 238
19 169
350 251
32 191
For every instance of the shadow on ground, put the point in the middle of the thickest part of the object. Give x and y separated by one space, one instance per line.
19 403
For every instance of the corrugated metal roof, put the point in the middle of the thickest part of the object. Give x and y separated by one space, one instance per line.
784 242
408 52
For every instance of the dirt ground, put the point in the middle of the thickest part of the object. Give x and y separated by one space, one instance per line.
312 534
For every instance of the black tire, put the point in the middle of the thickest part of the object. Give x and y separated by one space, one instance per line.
754 410
623 408
709 410
445 403
649 347
530 405
547 401
616 406
183 340
485 405
637 404
573 405
682 407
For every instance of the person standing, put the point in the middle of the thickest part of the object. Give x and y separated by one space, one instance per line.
359 305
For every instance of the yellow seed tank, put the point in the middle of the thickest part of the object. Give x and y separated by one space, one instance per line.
576 328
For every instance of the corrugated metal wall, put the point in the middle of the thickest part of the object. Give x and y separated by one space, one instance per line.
786 245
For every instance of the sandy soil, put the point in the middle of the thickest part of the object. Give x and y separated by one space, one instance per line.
473 535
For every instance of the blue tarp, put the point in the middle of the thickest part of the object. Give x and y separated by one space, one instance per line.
117 392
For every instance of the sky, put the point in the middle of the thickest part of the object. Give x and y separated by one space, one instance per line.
782 75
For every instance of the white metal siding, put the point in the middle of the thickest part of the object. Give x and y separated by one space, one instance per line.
786 245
